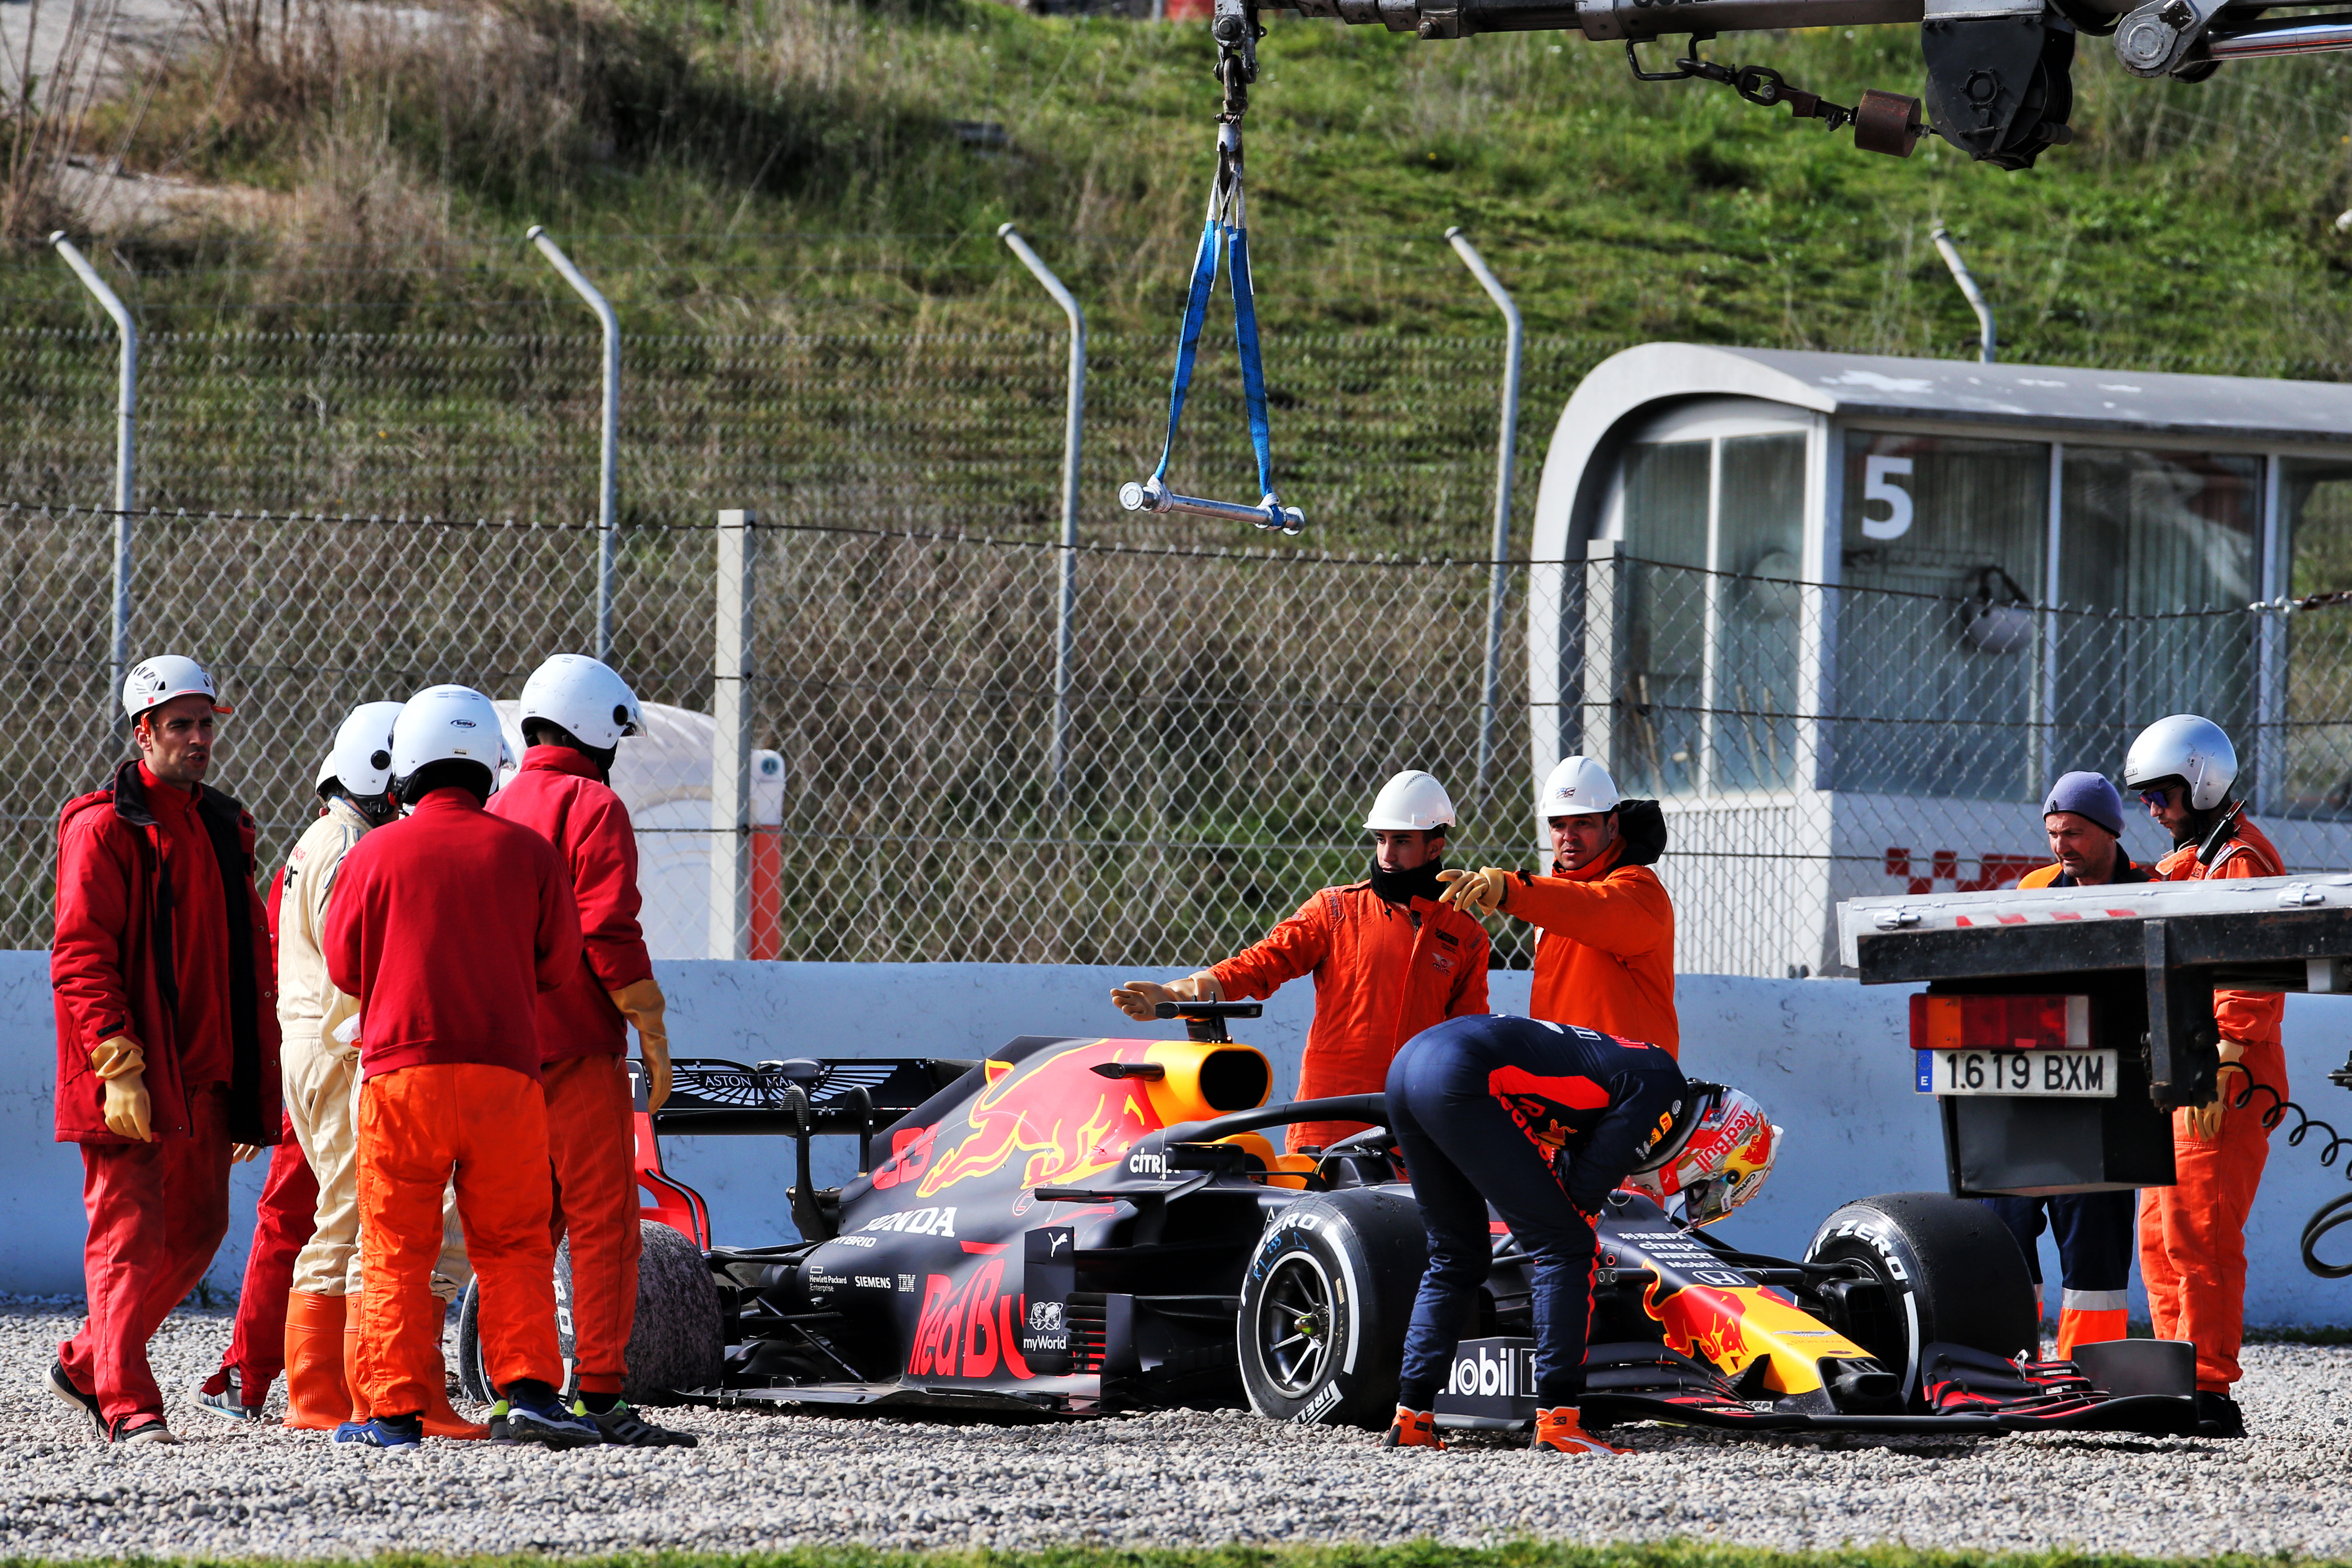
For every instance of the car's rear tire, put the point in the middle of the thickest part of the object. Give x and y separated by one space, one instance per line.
1324 1307
676 1343
1950 1271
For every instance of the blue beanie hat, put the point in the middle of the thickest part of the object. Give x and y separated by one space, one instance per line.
2090 795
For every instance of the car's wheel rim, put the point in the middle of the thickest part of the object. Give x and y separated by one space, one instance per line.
1294 1325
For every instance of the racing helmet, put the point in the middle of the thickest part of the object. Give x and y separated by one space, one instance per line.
1714 1155
1576 786
2185 747
1412 802
360 759
585 695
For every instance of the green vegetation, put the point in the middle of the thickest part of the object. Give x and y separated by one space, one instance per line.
821 164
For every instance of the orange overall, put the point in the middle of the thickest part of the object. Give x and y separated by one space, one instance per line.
1606 958
2192 1235
1382 975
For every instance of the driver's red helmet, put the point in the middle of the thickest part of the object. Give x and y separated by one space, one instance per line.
1714 1157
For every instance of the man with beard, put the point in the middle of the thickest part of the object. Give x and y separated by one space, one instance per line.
1389 959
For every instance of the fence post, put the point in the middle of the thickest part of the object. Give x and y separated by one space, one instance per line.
126 423
608 481
1505 447
1604 634
1073 429
731 750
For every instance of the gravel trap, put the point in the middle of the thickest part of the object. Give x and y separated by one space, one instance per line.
763 1480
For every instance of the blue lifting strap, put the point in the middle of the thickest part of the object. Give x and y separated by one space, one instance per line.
1227 229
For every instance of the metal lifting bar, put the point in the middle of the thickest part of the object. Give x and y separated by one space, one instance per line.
126 448
1073 423
1988 345
608 485
1506 442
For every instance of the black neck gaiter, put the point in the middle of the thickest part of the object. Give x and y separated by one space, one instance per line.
1401 887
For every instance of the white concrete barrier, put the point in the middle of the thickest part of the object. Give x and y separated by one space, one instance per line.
1828 1057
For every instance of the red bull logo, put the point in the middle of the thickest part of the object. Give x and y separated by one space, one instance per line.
968 1330
1703 1322
1052 1113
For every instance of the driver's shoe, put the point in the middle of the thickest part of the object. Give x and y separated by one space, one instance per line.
1412 1429
1560 1431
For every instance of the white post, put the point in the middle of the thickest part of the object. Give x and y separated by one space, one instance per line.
609 480
1073 427
1986 347
1498 581
126 446
731 759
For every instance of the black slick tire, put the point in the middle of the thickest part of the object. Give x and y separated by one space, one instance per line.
1324 1305
677 1344
1950 1271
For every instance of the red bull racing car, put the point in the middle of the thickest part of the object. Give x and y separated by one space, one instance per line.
1075 1226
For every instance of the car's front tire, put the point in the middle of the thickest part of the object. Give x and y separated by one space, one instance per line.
1324 1307
1950 1272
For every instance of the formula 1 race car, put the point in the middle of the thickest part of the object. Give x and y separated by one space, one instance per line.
1076 1226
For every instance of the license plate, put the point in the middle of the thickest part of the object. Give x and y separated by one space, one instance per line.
2056 1074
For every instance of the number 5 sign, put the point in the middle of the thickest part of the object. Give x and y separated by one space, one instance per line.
1877 476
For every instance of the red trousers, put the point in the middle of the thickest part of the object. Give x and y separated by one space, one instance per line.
2192 1235
420 1128
281 1228
592 1141
157 1213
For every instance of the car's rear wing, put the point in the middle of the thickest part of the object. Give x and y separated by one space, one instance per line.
857 1096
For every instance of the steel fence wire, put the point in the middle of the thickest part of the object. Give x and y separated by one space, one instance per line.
1230 713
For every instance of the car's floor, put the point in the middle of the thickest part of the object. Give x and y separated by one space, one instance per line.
763 1479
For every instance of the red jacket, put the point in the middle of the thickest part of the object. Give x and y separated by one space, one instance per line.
558 796
1605 959
446 925
111 968
1382 975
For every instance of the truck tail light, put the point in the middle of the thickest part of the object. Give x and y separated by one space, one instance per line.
2000 1023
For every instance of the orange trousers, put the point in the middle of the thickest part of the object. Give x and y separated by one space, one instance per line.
2192 1235
420 1128
592 1146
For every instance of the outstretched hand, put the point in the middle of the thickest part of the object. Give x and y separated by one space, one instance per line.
1478 893
1137 998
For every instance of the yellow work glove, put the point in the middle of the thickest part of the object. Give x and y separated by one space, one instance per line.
122 1066
2204 1121
641 1003
1137 998
1478 893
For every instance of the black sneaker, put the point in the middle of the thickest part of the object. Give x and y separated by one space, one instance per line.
62 1386
229 1403
624 1427
139 1428
2218 1415
543 1421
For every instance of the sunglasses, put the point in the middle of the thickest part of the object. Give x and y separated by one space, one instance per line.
2157 799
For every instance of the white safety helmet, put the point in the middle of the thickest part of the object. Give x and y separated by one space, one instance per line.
1412 802
585 697
361 760
445 724
155 681
1714 1153
2187 747
1576 786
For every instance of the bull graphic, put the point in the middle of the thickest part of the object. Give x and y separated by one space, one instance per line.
1054 1109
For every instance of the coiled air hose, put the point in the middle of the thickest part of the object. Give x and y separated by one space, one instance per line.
2335 1211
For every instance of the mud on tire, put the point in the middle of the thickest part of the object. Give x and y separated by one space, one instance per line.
676 1342
1324 1305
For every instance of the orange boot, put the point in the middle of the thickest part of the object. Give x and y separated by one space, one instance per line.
441 1421
360 1411
1412 1429
317 1398
1559 1431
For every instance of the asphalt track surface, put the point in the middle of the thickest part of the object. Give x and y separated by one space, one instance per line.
764 1480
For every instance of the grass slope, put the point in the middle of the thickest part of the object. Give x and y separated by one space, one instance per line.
815 164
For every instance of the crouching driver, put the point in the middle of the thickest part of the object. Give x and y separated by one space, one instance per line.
1543 1120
